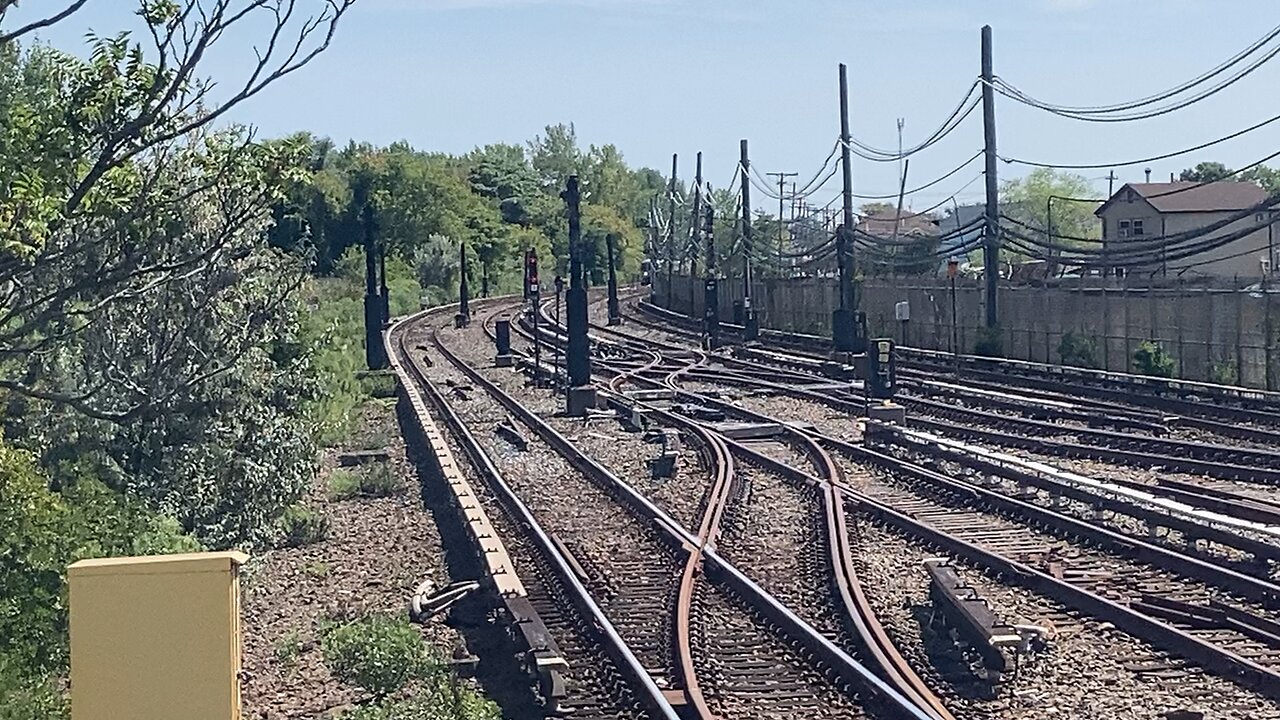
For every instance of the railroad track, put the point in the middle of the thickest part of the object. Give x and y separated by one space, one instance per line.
1220 411
1157 584
667 594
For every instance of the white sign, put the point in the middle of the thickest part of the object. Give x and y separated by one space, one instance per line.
902 311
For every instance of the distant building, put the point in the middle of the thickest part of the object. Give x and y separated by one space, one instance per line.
909 224
1144 211
956 219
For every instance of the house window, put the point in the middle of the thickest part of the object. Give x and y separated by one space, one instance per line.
1123 229
1137 228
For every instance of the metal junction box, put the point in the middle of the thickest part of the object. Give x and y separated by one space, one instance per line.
156 638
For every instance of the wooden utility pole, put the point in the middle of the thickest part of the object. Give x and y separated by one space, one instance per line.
782 194
671 229
844 337
991 229
751 328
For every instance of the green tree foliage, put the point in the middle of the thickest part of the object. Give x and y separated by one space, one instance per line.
157 386
1267 178
1052 203
497 200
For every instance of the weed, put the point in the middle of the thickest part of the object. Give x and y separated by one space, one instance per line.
288 647
343 484
1078 350
1152 359
302 526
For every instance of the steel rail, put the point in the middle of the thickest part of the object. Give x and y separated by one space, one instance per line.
613 643
761 601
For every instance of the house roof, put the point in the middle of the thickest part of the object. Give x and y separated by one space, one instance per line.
909 224
1176 197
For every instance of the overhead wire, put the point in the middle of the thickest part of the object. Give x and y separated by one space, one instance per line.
1176 90
1011 92
1142 161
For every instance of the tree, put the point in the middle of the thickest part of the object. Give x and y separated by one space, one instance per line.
556 156
1052 205
1205 172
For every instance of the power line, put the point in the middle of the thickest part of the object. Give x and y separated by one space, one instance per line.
1100 113
1142 161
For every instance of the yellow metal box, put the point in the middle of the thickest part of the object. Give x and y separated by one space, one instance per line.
156 638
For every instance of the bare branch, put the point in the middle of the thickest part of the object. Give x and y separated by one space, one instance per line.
38 24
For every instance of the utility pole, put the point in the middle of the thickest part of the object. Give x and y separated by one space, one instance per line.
578 360
671 229
695 229
1111 184
991 229
845 337
782 194
751 328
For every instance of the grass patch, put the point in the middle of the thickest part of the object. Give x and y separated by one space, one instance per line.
316 569
302 526
344 484
381 384
371 481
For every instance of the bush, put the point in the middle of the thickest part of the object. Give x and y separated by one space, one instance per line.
378 653
1078 350
1223 373
372 481
457 703
380 384
1151 359
288 648
302 526
379 481
344 484
990 342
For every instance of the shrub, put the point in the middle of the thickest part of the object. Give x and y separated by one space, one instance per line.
372 481
379 481
990 342
1078 350
288 648
379 384
1151 359
462 703
302 526
1223 373
378 653
344 484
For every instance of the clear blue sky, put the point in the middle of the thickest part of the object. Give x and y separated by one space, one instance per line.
661 76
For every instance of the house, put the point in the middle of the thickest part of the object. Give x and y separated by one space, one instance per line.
1140 212
881 224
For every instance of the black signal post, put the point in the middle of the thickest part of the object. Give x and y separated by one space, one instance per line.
581 395
375 354
615 313
463 318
